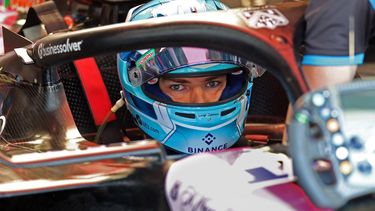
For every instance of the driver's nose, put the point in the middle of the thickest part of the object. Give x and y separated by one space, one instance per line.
197 95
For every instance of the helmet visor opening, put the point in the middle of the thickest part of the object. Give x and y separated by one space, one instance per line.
206 89
144 65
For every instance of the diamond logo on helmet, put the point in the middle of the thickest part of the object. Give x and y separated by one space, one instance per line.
209 138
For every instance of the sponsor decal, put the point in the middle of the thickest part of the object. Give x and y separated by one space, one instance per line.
174 191
265 18
66 47
208 116
262 174
209 138
207 149
145 58
188 198
145 125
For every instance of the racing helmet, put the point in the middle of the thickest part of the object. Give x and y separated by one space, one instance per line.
186 127
161 8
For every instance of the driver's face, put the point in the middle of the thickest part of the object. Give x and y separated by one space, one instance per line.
195 89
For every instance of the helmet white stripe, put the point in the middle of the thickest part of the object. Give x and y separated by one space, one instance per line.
163 117
242 114
166 129
206 128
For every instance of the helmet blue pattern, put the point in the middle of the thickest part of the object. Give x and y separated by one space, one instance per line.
160 8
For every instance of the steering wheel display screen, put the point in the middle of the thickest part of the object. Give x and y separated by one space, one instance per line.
359 132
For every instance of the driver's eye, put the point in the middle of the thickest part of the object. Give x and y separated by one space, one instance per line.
177 87
213 84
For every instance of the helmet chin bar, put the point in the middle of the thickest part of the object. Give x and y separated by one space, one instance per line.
191 129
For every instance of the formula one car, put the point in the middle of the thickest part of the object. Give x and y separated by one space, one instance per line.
62 149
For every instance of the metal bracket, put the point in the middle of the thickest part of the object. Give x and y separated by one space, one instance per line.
22 53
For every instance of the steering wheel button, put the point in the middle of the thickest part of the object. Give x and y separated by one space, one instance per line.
345 167
337 139
322 165
302 117
342 153
365 167
318 99
325 112
333 125
334 113
326 93
356 142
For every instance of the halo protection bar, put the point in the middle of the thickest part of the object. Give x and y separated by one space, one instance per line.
204 30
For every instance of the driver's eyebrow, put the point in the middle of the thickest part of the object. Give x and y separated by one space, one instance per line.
213 77
177 80
182 80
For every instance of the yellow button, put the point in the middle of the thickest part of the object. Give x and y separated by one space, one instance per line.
346 168
333 125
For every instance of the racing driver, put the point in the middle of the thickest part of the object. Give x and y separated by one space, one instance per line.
190 99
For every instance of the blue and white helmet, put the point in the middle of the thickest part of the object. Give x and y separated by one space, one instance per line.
161 8
186 127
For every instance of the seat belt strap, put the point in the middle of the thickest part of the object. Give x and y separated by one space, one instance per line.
94 88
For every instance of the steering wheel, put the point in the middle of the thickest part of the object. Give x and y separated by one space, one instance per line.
331 143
